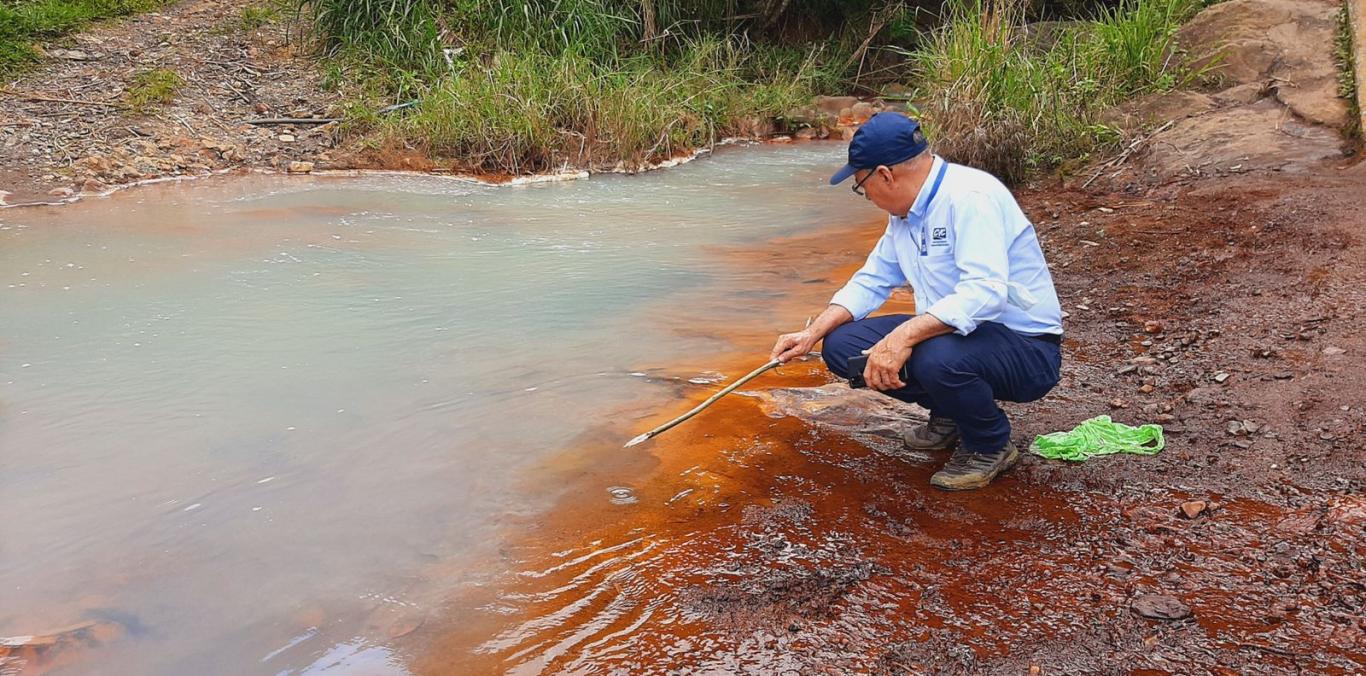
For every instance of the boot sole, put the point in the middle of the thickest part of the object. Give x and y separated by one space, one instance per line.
1011 461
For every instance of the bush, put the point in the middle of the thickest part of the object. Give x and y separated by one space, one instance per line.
995 101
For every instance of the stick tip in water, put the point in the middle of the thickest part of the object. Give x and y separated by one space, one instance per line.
637 440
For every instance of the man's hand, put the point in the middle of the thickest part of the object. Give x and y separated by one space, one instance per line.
793 345
885 360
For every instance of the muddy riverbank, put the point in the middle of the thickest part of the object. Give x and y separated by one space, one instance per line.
786 531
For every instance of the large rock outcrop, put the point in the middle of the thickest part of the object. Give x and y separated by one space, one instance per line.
1275 104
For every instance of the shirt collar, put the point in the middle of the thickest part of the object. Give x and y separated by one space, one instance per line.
922 200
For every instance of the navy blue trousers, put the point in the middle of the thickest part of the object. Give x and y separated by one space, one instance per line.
960 377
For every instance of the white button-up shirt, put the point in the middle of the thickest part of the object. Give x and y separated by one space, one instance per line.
968 252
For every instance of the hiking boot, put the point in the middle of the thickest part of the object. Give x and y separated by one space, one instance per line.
936 435
966 470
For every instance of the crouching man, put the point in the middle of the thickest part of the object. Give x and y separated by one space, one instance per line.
987 325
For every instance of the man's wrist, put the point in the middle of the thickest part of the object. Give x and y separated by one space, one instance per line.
905 337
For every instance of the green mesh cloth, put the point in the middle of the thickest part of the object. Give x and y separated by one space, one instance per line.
1099 436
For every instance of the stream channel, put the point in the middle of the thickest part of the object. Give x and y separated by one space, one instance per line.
239 415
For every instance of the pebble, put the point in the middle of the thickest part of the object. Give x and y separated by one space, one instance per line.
1160 607
298 167
1220 377
1152 326
1333 349
286 138
1193 508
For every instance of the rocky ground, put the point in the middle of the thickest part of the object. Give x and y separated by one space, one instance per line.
67 128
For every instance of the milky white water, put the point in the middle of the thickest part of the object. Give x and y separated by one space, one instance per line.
237 415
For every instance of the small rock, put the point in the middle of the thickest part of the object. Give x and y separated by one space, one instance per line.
1220 377
780 139
1235 428
1160 607
261 108
92 186
298 167
285 138
1146 389
862 110
61 192
1127 369
1163 418
70 54
1118 403
1333 349
1193 508
1152 326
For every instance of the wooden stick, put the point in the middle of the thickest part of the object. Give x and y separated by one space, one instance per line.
293 120
53 99
698 409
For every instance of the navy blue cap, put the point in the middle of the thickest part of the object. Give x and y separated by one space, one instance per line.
886 139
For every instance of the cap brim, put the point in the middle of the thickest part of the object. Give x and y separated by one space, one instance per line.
845 172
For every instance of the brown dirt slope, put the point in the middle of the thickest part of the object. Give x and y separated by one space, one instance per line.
87 140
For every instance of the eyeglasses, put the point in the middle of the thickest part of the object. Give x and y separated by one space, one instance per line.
858 187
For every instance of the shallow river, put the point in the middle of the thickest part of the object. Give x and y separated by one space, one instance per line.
233 408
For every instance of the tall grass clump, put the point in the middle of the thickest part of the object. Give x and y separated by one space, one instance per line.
25 22
529 111
400 37
997 100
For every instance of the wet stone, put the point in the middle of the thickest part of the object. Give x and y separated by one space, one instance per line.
1160 607
1193 508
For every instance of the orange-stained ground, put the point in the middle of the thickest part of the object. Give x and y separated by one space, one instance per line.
770 545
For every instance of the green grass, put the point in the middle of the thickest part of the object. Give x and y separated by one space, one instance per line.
532 85
1343 53
25 22
394 36
253 17
526 111
153 87
995 102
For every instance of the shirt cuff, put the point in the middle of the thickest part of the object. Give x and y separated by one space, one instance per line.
949 311
857 300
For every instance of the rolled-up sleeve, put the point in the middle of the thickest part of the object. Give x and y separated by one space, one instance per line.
981 255
868 289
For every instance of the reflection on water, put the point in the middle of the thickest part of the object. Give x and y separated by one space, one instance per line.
238 416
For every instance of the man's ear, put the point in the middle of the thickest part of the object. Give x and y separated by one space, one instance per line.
885 172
